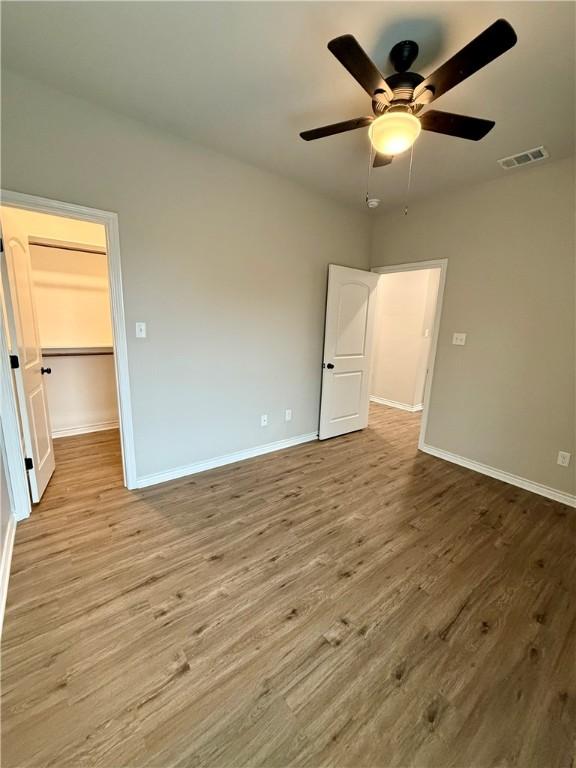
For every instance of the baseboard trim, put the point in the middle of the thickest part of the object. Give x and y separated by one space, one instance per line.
5 561
484 469
219 461
396 404
85 429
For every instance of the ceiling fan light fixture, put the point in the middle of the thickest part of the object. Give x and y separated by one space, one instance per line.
394 132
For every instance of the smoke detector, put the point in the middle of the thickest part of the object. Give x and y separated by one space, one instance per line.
524 158
372 202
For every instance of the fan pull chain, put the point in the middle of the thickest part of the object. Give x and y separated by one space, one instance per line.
409 181
369 171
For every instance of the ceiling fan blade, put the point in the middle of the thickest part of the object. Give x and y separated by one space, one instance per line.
349 53
473 128
330 130
380 160
490 44
425 96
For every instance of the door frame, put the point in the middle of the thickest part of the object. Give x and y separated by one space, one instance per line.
414 266
11 426
10 437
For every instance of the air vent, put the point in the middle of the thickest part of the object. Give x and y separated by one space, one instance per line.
524 158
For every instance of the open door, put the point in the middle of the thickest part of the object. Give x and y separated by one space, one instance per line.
347 350
25 347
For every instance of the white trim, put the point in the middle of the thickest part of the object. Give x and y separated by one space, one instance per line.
10 435
110 222
5 562
220 461
396 404
484 469
441 264
410 266
85 429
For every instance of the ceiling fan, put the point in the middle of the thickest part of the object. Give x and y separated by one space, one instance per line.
398 98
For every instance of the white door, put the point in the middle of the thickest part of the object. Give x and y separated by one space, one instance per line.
347 350
25 344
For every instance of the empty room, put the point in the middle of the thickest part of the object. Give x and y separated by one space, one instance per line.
288 384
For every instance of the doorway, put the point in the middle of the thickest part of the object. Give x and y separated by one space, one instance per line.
376 323
407 314
72 298
63 327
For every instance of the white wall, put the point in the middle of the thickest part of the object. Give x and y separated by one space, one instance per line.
405 308
72 297
226 263
81 394
428 324
506 398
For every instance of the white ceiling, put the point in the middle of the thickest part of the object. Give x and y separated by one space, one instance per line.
246 77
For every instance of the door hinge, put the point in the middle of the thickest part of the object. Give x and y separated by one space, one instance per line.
14 362
1 245
28 463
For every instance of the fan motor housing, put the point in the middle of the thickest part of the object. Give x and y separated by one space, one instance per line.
404 80
403 84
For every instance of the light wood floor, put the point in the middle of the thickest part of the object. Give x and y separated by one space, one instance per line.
348 603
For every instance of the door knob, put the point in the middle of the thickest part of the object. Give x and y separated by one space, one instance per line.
330 365
45 370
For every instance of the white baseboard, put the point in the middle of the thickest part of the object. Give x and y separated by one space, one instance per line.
5 561
84 429
396 404
484 469
220 461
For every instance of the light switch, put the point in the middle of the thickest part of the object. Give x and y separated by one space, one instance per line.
459 339
140 330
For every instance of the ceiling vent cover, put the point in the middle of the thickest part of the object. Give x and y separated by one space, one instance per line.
524 158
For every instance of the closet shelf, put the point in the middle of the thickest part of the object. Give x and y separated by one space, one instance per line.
75 351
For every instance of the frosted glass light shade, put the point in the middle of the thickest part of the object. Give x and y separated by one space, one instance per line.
394 132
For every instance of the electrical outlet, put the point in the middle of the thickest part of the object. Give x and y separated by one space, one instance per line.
288 414
459 339
264 420
564 458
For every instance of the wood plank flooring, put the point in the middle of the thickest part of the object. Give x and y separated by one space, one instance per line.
351 603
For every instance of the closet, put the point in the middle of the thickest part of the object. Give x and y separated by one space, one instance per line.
57 313
71 295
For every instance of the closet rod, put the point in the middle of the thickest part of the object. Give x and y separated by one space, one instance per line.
76 352
67 246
